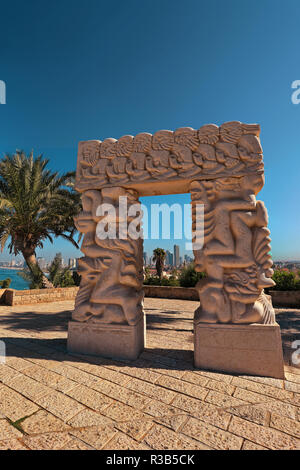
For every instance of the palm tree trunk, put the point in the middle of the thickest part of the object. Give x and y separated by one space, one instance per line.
37 273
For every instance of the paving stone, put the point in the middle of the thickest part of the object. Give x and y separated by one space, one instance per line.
178 374
204 411
7 373
47 441
248 445
292 377
60 405
76 375
167 415
49 378
292 386
121 394
271 438
104 373
254 413
270 404
211 435
17 363
193 378
182 387
89 418
140 373
123 442
219 386
7 431
285 425
91 398
15 406
263 389
28 387
12 444
279 383
43 422
160 438
215 375
136 429
153 391
96 436
222 400
121 413
76 444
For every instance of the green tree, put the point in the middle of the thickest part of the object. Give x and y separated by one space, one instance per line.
36 204
189 277
58 275
159 256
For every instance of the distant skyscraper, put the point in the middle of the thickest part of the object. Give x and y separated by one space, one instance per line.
188 259
169 258
42 262
145 257
176 255
72 263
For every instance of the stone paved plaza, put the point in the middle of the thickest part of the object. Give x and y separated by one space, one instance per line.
53 400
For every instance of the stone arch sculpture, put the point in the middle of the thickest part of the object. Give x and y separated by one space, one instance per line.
222 168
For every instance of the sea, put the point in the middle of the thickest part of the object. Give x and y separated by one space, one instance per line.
16 281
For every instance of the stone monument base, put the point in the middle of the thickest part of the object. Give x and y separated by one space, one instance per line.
107 340
242 349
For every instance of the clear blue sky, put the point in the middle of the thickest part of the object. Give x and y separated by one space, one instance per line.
79 70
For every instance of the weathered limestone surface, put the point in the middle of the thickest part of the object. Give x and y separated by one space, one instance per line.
167 161
248 349
222 168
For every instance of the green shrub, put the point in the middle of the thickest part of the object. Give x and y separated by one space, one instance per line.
171 281
5 283
165 281
59 276
285 280
34 279
152 281
189 277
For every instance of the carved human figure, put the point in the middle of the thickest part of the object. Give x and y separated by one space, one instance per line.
136 167
235 242
111 286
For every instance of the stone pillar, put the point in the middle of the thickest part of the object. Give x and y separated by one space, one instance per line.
108 318
235 327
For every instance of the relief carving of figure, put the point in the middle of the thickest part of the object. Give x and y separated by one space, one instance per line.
236 249
111 285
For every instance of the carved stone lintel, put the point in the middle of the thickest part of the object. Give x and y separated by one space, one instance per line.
183 155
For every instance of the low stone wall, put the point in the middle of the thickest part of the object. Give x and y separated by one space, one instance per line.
279 298
285 298
36 296
166 292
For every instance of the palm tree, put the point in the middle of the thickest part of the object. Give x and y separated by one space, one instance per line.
159 256
35 205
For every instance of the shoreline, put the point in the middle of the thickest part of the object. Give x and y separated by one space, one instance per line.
11 267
